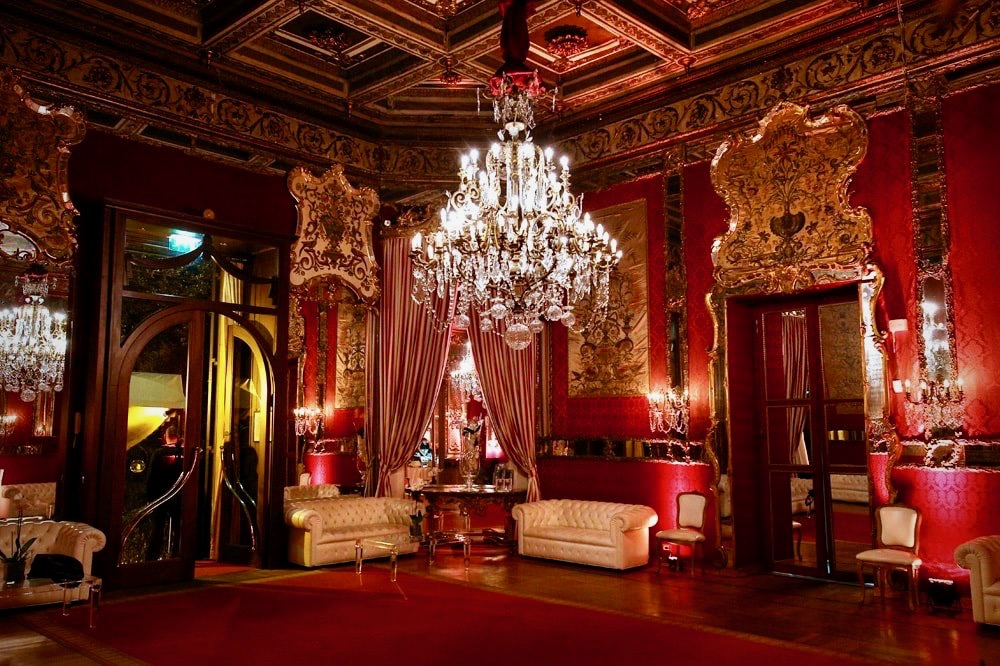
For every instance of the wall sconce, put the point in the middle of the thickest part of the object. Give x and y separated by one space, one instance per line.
7 424
938 405
668 411
307 420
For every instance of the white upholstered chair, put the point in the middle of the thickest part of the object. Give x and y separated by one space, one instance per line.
690 529
981 557
897 549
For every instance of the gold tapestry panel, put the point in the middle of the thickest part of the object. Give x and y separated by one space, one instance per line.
610 358
840 338
350 391
786 186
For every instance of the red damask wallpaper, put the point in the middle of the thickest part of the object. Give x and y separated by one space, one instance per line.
705 217
971 144
882 185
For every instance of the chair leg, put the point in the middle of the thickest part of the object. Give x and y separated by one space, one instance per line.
694 551
861 579
914 579
659 556
882 580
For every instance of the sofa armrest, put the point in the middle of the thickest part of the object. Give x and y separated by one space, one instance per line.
982 556
534 513
78 540
635 517
303 517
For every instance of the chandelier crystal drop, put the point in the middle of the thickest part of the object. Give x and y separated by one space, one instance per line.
465 379
512 241
32 340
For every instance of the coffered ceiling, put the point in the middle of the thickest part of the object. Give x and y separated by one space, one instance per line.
387 69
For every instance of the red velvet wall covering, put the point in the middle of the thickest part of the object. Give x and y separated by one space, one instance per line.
624 416
972 143
882 185
705 217
104 166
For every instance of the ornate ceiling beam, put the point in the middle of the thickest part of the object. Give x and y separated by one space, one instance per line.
351 13
232 28
622 24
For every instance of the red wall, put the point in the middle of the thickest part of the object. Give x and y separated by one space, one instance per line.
625 416
653 483
105 166
971 146
705 217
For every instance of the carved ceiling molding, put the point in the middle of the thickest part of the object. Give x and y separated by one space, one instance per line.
833 72
34 160
76 72
624 25
260 22
334 244
366 24
786 188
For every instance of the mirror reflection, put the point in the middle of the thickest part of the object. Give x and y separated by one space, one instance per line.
937 358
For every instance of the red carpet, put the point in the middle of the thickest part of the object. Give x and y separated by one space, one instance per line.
337 617
207 568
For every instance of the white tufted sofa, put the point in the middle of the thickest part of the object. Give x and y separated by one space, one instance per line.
324 531
603 534
981 557
37 499
66 538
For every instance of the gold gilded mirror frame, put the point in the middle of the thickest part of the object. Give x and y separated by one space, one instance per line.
332 257
792 229
37 225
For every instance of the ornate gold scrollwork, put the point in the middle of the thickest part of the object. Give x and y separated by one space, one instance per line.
786 186
34 156
791 228
334 232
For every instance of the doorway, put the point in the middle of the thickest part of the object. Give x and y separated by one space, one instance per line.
808 381
190 430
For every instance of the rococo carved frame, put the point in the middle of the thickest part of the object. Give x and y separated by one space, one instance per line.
792 229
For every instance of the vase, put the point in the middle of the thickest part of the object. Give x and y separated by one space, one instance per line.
14 572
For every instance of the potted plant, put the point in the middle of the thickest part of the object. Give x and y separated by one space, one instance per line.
16 559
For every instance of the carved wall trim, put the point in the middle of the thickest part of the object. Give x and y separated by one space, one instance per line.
34 159
334 244
834 73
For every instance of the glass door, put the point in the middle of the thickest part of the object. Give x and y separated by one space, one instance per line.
809 378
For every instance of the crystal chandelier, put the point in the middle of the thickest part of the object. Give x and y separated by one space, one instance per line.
32 340
512 241
465 379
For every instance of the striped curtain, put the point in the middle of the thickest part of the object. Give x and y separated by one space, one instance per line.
794 354
413 352
508 380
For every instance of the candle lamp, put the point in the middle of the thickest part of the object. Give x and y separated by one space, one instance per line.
668 411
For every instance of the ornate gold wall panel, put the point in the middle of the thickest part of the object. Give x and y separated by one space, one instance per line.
786 187
34 156
334 244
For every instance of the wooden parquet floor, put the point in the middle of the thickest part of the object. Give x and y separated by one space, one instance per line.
759 606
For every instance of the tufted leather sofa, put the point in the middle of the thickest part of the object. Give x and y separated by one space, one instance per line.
323 531
981 557
37 499
66 538
603 534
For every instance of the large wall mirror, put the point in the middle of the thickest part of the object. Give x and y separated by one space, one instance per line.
34 363
37 248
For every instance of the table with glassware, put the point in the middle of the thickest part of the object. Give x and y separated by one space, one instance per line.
467 500
52 590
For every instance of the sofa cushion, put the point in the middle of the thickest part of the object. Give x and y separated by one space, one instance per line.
599 537
361 531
